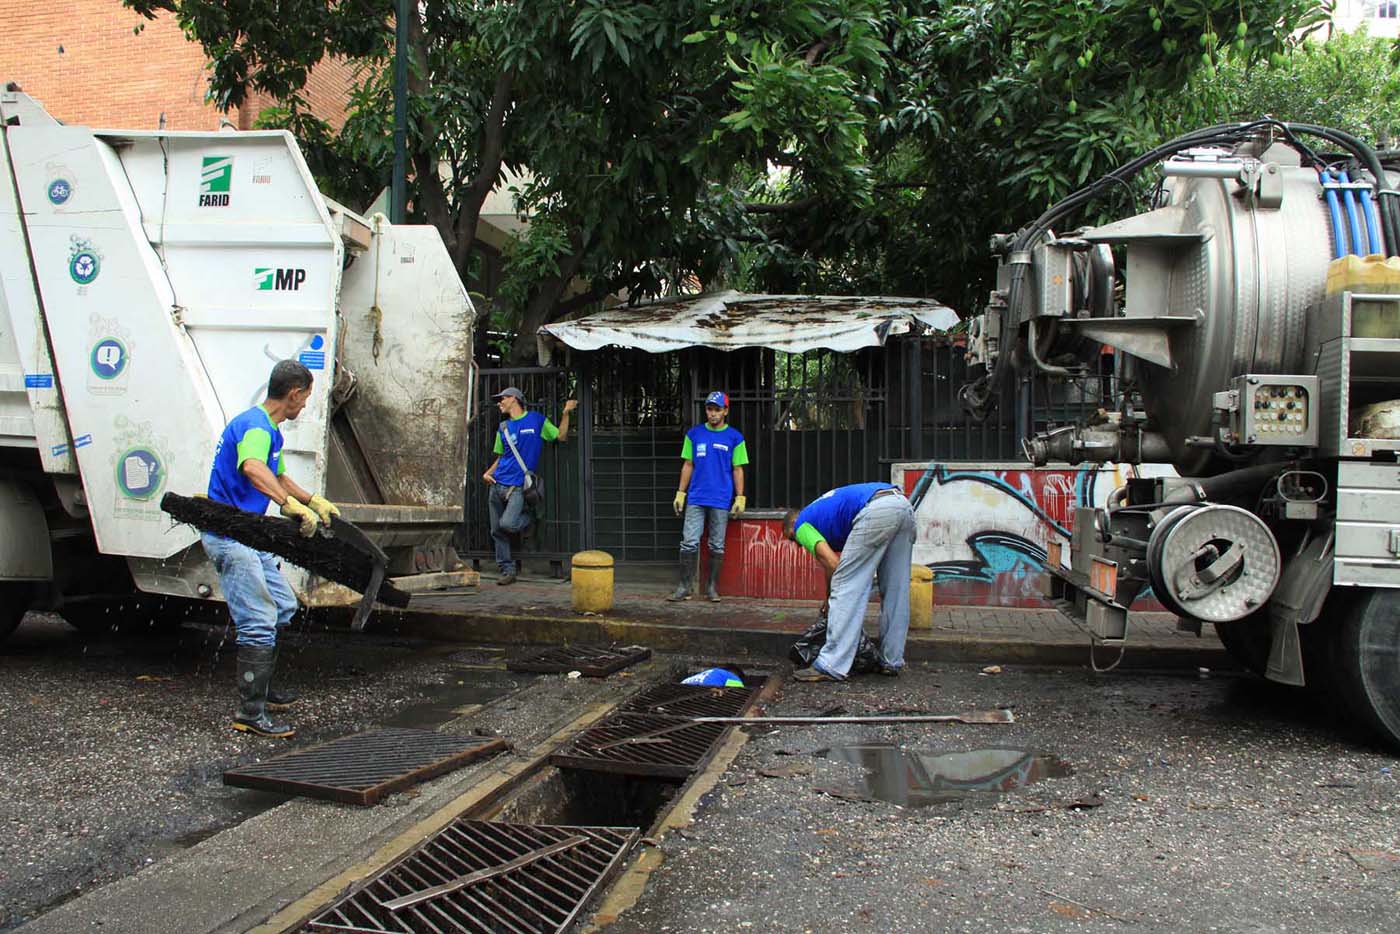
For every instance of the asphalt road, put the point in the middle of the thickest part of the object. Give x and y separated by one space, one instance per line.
1155 802
1181 804
114 747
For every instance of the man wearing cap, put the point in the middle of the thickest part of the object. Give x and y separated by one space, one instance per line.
711 490
871 525
527 432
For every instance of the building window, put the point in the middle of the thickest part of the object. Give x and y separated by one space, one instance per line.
1388 9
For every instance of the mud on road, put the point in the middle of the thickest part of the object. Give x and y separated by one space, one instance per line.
114 747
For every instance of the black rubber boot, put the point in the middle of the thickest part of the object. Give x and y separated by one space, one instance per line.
712 584
255 664
686 585
279 700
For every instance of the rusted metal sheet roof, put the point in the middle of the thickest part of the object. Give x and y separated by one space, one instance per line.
731 320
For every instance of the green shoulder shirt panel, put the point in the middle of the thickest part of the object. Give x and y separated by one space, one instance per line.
808 537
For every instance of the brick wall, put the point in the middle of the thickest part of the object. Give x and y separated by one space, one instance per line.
83 61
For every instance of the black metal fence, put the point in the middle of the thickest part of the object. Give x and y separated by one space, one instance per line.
812 421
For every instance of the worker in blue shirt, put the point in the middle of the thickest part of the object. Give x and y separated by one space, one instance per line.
857 532
711 490
248 473
527 433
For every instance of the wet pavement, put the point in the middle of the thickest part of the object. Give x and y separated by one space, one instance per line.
115 746
1159 801
1125 800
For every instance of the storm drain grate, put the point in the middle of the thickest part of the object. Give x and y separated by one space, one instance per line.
692 700
485 876
649 735
363 768
594 661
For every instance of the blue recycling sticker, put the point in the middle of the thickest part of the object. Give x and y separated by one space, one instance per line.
108 358
38 381
313 359
84 266
139 473
60 190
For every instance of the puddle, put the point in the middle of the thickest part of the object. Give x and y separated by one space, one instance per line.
460 687
918 778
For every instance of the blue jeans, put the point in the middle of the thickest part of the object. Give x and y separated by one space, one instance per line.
695 519
259 597
881 541
508 516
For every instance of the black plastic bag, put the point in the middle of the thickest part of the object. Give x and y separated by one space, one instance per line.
809 645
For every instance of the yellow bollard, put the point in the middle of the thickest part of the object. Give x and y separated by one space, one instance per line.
920 597
592 573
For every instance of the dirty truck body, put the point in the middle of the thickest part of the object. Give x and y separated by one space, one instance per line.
148 283
1267 386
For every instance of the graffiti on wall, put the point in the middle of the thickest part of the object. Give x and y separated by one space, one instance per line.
983 529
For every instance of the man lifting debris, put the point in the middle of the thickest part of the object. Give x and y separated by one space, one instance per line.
872 526
248 473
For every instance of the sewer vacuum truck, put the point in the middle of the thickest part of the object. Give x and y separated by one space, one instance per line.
148 282
1259 354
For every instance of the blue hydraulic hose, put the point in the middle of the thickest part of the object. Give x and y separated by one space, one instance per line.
1339 236
1358 245
1373 227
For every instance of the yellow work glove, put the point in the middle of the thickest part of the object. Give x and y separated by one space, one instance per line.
323 508
679 504
738 508
295 511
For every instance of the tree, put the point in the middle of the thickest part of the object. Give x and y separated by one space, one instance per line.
1350 82
816 145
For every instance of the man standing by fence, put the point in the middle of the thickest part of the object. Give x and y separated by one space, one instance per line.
519 440
711 490
872 526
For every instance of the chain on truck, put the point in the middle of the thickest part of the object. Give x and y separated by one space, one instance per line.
1259 354
148 282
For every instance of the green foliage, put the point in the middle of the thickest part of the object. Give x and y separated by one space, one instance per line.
1350 82
839 146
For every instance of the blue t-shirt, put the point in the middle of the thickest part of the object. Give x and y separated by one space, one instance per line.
251 435
529 432
832 514
713 455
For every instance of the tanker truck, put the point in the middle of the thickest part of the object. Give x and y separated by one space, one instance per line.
148 282
1254 325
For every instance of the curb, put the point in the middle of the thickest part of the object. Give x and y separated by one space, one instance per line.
518 630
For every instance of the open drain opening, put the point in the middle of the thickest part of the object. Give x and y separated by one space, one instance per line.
536 860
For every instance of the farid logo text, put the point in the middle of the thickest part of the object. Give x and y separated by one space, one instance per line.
278 279
215 181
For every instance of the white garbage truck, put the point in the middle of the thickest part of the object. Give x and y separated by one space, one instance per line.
149 280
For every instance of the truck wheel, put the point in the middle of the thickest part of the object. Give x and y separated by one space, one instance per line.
1366 658
1248 641
14 603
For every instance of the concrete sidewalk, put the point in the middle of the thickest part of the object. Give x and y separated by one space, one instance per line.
536 611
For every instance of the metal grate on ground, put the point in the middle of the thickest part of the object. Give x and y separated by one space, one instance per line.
692 700
650 734
485 876
593 661
363 768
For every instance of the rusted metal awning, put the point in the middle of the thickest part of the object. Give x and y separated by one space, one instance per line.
733 320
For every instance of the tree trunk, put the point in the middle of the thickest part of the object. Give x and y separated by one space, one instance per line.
540 309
